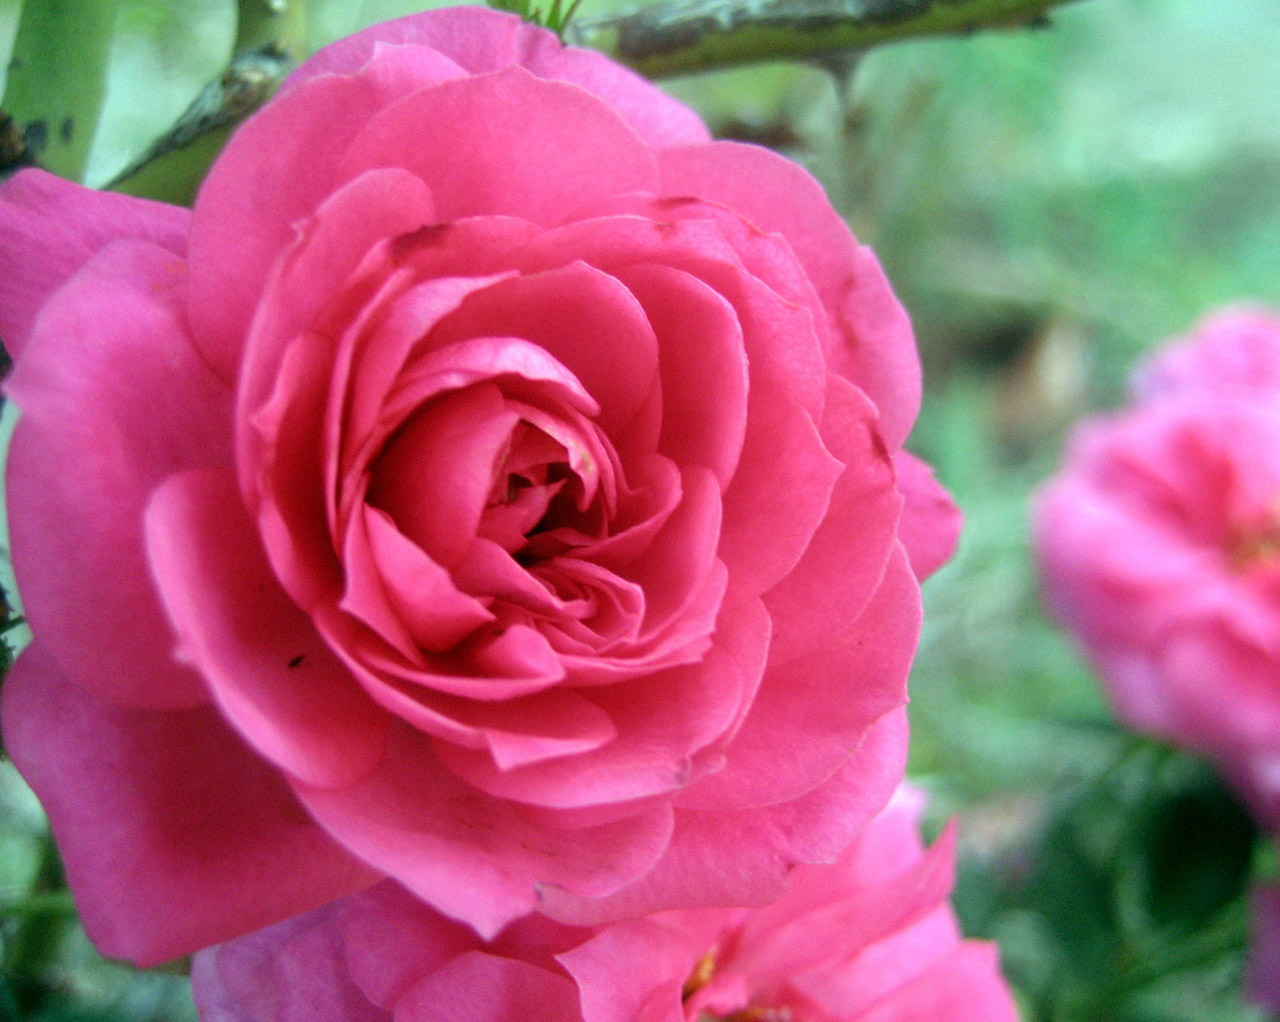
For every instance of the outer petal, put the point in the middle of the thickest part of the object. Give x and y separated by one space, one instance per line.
265 180
965 986
535 149
874 343
269 671
113 395
811 713
174 835
474 857
294 971
49 228
481 40
479 987
841 570
931 522
392 940
638 963
743 858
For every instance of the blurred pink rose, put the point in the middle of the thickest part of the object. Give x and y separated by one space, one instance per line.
868 939
518 476
1159 543
1231 354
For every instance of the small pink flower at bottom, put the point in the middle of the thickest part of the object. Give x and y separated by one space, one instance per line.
870 938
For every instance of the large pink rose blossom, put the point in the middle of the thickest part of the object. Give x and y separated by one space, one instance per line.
870 938
517 476
1159 543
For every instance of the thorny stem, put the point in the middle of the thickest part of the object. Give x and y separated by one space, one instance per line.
683 36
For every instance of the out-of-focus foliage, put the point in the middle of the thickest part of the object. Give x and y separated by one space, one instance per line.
1049 204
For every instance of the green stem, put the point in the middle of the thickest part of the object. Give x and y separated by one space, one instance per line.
675 37
34 944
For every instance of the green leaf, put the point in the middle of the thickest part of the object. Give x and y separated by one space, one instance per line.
163 53
1197 849
58 79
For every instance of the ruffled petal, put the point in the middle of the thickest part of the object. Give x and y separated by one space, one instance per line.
471 856
931 522
480 987
535 149
49 228
268 669
175 836
811 713
113 400
481 41
744 858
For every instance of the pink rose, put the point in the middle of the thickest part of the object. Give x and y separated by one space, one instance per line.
1230 354
870 938
1159 543
517 475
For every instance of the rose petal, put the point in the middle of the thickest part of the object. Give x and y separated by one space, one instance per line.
479 987
779 496
811 713
434 478
842 567
524 154
628 966
481 40
267 178
874 343
49 228
703 366
473 857
420 592
268 669
391 939
286 973
651 754
965 986
743 858
575 314
931 522
174 835
318 265
113 395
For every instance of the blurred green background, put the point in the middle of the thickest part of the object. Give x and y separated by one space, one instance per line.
1049 203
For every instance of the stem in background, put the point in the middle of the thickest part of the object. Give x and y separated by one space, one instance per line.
674 37
274 24
173 167
271 39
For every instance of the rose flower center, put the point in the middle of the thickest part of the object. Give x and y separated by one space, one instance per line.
719 998
1255 545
